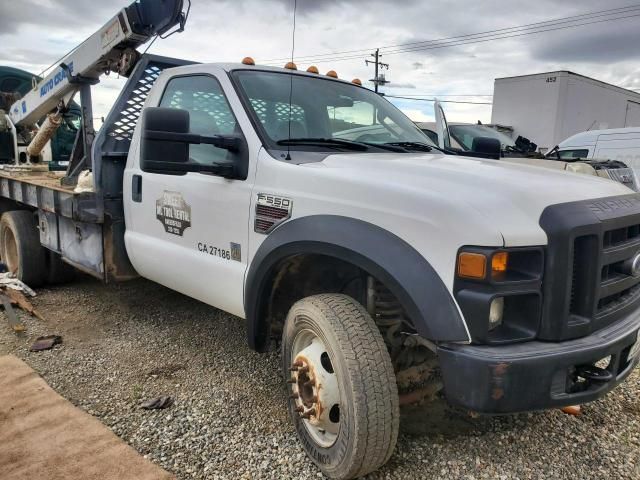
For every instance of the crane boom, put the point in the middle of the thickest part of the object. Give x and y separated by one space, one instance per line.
111 48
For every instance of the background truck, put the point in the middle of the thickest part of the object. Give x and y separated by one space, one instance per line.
616 144
549 107
484 142
317 211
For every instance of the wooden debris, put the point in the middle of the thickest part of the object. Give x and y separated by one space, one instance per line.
14 322
18 298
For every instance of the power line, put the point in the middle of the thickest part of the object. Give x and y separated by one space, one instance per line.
430 95
547 23
434 99
340 59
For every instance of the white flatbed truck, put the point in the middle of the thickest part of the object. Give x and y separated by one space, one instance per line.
385 269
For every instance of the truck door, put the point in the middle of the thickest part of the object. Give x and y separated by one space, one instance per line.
189 232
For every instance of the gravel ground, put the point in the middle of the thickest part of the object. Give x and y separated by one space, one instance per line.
129 342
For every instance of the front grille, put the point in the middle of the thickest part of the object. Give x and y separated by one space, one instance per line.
588 282
618 287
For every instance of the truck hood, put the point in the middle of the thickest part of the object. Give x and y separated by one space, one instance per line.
509 196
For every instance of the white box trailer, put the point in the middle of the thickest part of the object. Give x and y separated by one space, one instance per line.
550 107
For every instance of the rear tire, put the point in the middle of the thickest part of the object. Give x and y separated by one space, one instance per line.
20 247
348 426
58 271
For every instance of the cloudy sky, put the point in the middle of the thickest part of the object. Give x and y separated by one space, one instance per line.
40 31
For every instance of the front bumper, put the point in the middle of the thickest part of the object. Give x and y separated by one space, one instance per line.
536 375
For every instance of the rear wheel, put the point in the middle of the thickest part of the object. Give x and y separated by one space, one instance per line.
343 394
20 247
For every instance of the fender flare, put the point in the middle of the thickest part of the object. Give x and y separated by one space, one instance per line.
387 257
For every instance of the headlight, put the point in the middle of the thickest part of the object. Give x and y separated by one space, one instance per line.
499 291
496 312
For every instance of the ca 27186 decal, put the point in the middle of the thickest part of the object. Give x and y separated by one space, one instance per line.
233 253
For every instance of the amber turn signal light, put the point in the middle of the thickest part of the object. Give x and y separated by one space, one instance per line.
499 263
472 265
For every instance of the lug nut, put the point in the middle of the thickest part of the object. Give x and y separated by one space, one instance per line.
297 364
304 369
309 413
293 369
300 409
294 396
291 381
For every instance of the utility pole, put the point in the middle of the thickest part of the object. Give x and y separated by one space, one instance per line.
378 78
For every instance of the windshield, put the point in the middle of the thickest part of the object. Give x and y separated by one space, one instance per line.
465 134
326 113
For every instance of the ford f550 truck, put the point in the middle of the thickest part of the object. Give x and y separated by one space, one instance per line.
386 270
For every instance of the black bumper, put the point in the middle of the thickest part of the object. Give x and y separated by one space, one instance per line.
536 375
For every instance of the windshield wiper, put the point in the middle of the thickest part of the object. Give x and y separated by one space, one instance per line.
422 147
329 142
339 142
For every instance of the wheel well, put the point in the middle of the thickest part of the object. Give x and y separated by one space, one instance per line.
304 275
7 205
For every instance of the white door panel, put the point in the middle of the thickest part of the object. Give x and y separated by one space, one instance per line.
190 232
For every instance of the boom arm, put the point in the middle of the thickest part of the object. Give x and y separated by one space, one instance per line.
112 48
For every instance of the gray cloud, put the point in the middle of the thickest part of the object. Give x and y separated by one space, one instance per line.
604 43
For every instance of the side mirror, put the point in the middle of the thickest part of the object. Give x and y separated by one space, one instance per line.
157 122
165 144
487 147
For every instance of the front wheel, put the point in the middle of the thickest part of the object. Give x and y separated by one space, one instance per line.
343 393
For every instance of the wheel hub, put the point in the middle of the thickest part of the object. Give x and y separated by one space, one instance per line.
315 391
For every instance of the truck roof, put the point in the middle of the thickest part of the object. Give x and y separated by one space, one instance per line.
228 67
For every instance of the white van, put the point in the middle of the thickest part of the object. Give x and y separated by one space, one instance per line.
621 144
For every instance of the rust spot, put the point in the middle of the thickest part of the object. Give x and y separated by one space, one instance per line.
497 393
500 369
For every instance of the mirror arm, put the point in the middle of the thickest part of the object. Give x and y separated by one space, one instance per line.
226 171
228 143
220 141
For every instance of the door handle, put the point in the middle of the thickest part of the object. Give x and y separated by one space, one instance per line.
136 188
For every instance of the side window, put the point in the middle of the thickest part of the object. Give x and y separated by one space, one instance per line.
571 154
209 112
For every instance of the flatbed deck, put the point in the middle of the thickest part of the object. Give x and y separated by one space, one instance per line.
42 178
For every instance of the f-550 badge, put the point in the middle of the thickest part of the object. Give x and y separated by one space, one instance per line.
271 211
173 212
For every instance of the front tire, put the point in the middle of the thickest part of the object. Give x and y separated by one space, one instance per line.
344 398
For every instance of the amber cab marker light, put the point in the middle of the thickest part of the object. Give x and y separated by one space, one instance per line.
472 265
291 66
313 69
332 74
248 61
357 81
499 263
